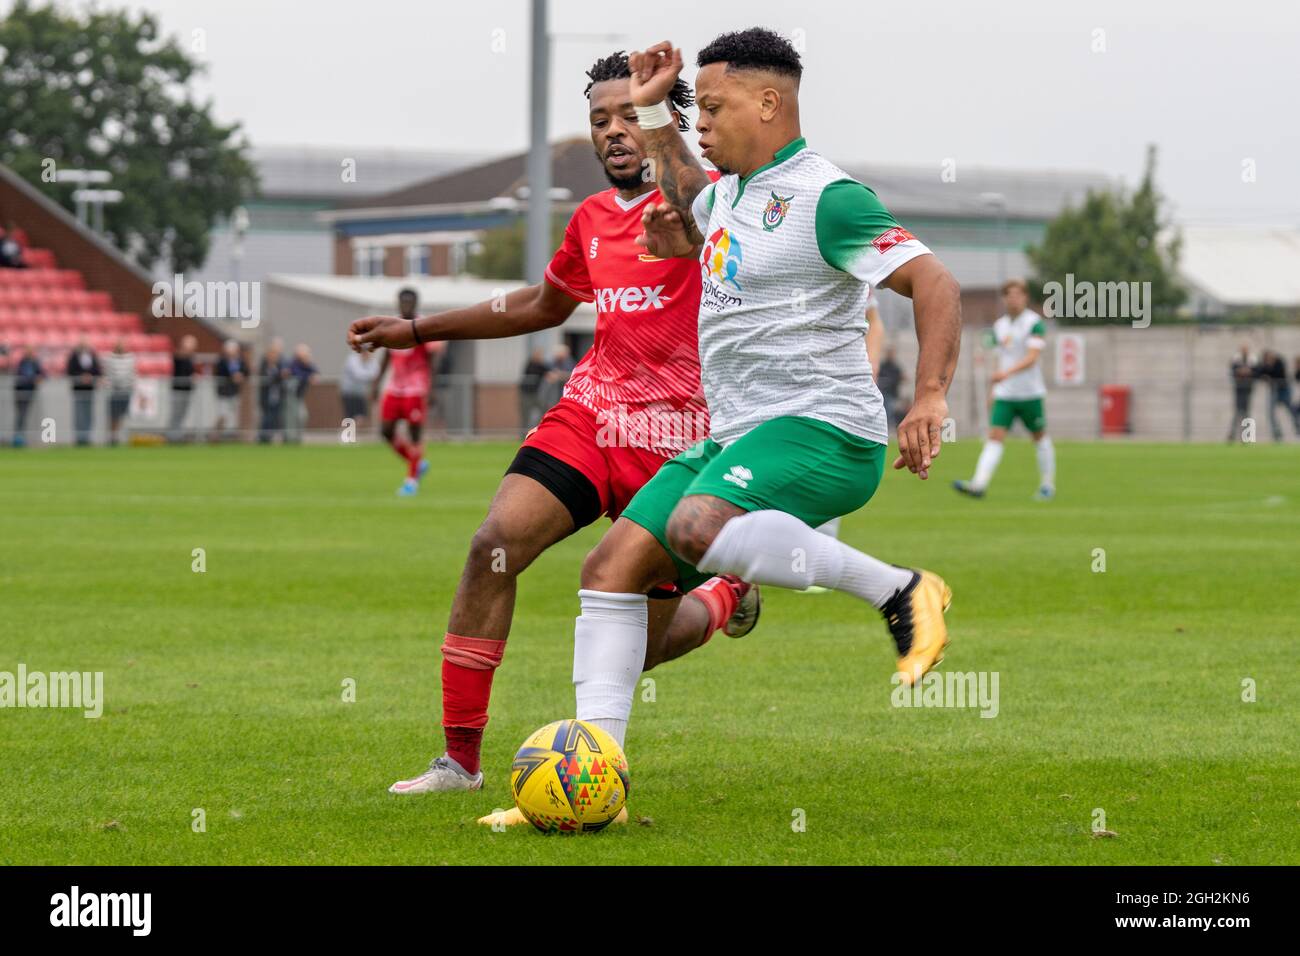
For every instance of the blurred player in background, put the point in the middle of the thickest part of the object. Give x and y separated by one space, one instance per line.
1018 392
591 452
406 397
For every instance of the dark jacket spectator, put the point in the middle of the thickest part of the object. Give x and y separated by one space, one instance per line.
183 369
84 373
27 374
1272 372
889 378
183 372
302 372
1242 371
83 368
272 373
230 372
530 386
11 251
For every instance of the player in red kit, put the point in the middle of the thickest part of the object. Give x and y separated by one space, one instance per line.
406 397
633 402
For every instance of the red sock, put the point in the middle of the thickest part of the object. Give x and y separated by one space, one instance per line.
400 445
467 668
720 599
413 454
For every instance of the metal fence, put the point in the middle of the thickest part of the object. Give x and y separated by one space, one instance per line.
155 411
1178 381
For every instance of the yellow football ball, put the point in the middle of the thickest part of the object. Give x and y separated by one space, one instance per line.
570 777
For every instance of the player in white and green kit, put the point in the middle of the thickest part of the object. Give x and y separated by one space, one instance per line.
789 248
1018 393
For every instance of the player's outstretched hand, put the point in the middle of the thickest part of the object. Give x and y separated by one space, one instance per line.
654 71
920 436
380 331
665 232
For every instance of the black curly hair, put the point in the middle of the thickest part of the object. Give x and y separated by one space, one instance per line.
614 67
754 49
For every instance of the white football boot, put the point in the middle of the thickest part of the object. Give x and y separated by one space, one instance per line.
443 774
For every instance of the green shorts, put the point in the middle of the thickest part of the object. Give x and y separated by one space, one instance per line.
1028 410
801 466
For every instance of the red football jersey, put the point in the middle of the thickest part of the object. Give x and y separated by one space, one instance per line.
642 373
410 370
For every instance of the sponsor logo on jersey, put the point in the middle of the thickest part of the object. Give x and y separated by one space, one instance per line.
646 257
720 258
774 212
887 240
636 298
739 475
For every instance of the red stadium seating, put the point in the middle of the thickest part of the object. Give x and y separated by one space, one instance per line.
50 310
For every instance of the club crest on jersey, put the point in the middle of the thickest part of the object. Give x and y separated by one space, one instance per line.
720 258
774 212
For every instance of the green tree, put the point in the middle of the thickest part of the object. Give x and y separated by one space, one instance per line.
104 90
500 253
1113 238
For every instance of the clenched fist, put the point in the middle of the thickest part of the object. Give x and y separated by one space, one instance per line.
381 331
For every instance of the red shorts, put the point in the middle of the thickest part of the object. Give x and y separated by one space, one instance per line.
410 407
569 432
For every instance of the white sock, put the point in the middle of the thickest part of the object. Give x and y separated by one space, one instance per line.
990 455
1046 462
772 547
609 644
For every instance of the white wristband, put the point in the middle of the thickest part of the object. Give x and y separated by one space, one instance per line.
653 117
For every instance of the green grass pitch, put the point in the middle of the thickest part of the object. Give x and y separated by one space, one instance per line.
1120 691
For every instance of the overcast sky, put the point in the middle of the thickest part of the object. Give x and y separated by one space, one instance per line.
1014 83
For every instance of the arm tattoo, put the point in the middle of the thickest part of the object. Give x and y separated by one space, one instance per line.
679 176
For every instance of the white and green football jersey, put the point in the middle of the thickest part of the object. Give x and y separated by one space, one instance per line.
790 256
1015 337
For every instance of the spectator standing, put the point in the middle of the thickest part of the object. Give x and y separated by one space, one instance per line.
1295 410
28 376
360 371
1272 370
83 373
302 374
272 372
561 367
183 370
530 390
119 366
889 377
1242 371
231 372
